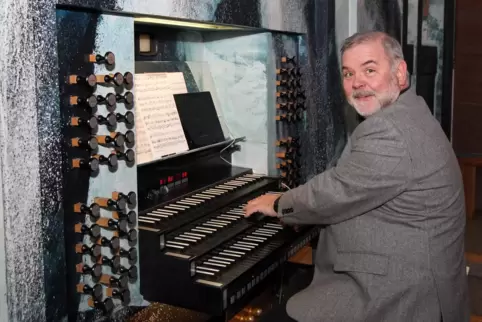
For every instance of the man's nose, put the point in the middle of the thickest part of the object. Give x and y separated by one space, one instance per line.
358 82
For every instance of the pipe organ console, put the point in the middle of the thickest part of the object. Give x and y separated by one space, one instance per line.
171 230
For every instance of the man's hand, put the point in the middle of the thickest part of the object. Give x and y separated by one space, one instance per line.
263 204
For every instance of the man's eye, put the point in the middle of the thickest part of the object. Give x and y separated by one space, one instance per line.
347 74
369 71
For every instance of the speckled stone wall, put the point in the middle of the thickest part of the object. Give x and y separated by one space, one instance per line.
32 259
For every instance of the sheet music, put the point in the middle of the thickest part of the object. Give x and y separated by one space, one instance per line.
160 125
143 147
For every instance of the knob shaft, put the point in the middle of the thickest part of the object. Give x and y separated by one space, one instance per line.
90 143
93 231
106 306
110 119
113 243
123 295
112 224
108 58
92 164
113 262
90 122
127 118
90 80
92 210
112 160
130 253
94 270
93 250
95 291
112 281
111 203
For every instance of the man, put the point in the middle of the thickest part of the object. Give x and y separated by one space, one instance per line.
392 246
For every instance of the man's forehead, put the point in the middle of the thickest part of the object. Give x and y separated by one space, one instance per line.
361 54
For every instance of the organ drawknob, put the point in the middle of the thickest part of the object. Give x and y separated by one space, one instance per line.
117 79
131 271
121 225
90 143
130 216
110 203
123 295
78 121
92 210
131 253
94 270
110 119
111 160
90 80
113 243
127 118
129 155
91 164
93 231
107 305
131 197
113 262
116 138
108 58
127 98
93 250
113 281
95 291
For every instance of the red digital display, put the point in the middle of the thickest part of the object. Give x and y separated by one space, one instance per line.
162 182
184 174
170 179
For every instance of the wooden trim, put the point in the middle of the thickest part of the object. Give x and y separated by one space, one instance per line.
473 258
475 318
468 167
303 256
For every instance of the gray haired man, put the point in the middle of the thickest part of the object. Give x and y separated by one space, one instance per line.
392 246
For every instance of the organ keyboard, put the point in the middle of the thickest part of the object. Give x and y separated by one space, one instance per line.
198 251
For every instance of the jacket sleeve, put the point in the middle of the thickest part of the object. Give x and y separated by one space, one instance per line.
377 169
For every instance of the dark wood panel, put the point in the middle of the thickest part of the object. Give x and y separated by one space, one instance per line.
467 80
468 4
467 128
468 27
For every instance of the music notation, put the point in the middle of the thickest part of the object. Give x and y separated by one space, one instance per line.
159 127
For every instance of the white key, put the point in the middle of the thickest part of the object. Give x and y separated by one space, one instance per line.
195 235
223 259
141 219
185 235
233 252
176 207
158 215
185 239
174 246
165 211
220 221
205 273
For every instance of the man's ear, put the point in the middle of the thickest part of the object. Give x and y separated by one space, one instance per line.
402 74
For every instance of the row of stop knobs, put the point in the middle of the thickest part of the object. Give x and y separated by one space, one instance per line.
122 218
105 286
289 161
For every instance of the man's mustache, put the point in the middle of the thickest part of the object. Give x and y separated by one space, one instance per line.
362 93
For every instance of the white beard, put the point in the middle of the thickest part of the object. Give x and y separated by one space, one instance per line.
381 100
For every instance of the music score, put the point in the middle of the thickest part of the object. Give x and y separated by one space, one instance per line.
159 128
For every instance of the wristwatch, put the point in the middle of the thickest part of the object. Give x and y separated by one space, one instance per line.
275 204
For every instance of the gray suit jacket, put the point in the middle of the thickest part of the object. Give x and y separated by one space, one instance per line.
393 245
